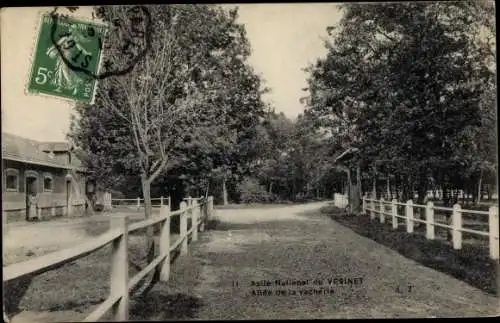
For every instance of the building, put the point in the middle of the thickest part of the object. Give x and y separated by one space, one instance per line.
40 179
352 189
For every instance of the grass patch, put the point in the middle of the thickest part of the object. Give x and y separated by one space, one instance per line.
76 286
471 264
79 287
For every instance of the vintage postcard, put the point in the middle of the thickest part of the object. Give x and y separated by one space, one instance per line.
249 161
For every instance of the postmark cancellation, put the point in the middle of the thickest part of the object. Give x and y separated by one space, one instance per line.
67 55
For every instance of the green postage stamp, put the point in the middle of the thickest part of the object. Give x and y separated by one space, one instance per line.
66 58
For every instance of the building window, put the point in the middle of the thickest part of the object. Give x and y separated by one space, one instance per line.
47 183
12 180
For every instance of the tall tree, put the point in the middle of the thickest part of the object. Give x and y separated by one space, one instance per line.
150 120
401 81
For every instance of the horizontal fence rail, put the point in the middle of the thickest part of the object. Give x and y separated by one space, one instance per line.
138 202
120 284
389 209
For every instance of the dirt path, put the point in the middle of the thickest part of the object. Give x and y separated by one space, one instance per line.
24 240
216 281
289 244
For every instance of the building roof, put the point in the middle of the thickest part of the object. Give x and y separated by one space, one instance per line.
35 152
55 146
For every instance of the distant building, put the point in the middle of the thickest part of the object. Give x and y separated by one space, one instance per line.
40 179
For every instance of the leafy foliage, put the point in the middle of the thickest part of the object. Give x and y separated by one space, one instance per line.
407 84
410 85
252 192
187 108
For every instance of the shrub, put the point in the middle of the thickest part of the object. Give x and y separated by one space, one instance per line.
252 192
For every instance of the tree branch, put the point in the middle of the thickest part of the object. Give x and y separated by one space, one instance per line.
386 35
158 170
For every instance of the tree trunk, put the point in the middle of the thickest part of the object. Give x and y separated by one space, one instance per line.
421 196
150 280
447 203
412 189
388 183
405 189
358 181
422 192
455 196
403 183
374 190
479 182
271 187
397 187
224 192
146 191
446 196
349 190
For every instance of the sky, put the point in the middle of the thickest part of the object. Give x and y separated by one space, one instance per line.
285 38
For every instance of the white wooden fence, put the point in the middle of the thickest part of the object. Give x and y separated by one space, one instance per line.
120 284
384 208
138 202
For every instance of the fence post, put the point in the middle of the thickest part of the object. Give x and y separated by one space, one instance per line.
161 200
189 214
108 204
456 222
493 223
409 216
194 219
165 243
372 207
363 203
203 215
429 217
382 210
183 228
119 269
210 208
394 210
138 203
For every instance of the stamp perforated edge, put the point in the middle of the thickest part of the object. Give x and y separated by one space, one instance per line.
34 43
